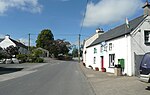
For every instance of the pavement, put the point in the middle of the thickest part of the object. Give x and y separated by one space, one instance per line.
104 83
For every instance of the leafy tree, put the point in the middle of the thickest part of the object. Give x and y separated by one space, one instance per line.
46 40
58 47
32 48
43 38
1 53
37 53
75 52
11 50
63 46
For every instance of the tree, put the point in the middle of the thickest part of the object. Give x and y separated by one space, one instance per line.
58 47
1 53
37 52
43 38
11 50
63 46
75 52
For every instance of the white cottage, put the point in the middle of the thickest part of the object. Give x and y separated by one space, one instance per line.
7 41
121 45
89 41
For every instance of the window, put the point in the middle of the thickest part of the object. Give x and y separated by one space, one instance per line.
110 46
111 60
105 48
95 50
147 37
94 60
101 49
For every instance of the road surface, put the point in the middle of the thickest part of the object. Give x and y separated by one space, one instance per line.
55 78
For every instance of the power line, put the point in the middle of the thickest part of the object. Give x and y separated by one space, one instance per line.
66 34
83 17
79 35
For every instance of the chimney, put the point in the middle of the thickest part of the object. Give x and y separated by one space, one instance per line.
146 8
99 31
7 36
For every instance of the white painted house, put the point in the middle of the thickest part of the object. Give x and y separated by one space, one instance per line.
121 45
7 41
89 41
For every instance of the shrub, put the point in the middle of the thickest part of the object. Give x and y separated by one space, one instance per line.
67 57
35 59
22 58
39 60
37 53
29 58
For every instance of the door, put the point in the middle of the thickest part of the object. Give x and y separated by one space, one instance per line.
102 62
138 59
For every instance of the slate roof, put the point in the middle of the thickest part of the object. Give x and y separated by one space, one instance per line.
1 39
119 31
19 44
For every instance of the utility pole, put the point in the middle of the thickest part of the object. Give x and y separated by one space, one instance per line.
29 42
79 48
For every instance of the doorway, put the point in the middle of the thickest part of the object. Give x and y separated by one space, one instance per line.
102 62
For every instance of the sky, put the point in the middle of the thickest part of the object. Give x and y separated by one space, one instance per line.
65 18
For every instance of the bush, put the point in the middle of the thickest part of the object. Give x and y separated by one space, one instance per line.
22 58
67 57
39 60
35 59
29 58
37 53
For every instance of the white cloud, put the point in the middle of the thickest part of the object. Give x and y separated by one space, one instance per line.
24 41
109 11
25 5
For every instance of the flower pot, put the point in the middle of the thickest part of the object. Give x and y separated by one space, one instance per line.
84 64
103 69
96 68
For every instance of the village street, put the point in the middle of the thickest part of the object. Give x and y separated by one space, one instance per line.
67 78
54 78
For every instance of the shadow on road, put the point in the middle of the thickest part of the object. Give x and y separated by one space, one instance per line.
9 70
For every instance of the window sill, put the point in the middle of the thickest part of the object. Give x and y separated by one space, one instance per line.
111 67
147 43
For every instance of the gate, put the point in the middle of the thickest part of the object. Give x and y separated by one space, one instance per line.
138 59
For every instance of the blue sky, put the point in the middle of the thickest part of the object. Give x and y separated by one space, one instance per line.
64 18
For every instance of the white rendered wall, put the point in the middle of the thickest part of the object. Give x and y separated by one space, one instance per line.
87 43
90 57
138 42
120 49
6 43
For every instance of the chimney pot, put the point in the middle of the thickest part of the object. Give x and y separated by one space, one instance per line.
7 36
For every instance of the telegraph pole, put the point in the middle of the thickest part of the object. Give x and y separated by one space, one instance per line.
79 48
29 42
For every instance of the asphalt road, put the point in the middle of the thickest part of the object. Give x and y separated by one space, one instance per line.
56 78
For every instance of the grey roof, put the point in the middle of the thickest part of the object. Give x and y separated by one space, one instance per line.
118 31
1 39
19 44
